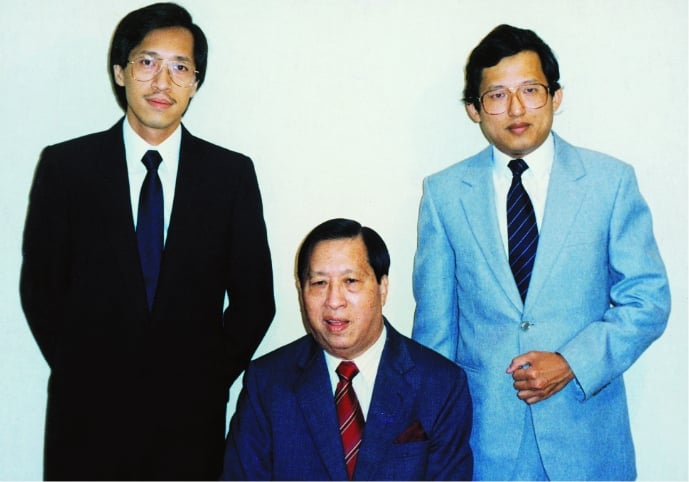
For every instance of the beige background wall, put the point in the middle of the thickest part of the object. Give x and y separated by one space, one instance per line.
345 106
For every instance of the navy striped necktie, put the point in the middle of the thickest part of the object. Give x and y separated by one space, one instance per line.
149 224
522 230
349 414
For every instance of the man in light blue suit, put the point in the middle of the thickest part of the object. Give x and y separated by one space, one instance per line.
412 405
545 364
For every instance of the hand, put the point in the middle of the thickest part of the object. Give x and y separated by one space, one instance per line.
539 375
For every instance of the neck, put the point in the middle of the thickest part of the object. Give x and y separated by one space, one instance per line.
152 135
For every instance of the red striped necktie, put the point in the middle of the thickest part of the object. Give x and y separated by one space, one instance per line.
349 414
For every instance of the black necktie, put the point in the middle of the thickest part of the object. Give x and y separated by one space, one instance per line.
149 225
522 230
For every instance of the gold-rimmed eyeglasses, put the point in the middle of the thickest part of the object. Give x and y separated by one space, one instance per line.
146 67
532 95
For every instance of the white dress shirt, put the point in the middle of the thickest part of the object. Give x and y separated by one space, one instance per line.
135 148
535 180
367 363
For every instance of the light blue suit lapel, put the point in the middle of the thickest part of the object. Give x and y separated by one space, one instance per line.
479 207
565 195
390 404
316 400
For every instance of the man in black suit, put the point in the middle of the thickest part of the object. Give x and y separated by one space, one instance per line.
141 350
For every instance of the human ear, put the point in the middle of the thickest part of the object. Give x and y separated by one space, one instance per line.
119 75
473 113
557 99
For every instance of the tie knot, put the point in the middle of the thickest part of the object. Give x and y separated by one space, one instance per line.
517 166
347 370
152 160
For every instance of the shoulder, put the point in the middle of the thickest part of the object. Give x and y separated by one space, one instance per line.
433 362
76 156
282 362
594 162
88 142
426 360
207 151
466 170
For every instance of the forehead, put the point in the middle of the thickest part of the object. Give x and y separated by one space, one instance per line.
169 41
522 67
339 255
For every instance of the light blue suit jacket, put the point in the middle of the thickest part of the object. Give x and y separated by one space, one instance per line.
285 426
598 295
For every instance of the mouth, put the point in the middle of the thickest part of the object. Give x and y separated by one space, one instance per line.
335 324
518 128
159 102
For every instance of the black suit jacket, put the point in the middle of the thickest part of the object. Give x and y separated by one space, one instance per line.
135 394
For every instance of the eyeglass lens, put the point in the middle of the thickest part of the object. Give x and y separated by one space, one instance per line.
532 96
146 67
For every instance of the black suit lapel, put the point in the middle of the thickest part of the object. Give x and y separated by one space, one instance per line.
112 183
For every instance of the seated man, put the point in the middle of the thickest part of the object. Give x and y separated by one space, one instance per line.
353 399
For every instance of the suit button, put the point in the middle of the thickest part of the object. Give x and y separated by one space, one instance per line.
525 325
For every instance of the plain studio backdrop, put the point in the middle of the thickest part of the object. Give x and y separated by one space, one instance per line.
345 106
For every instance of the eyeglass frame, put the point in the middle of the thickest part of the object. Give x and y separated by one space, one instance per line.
514 91
168 63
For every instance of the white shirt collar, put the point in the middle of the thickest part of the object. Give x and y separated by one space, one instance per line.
135 148
540 161
368 363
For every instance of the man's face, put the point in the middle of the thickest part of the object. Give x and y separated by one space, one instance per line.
519 130
155 107
342 299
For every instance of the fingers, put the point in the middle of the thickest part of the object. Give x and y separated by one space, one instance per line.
531 396
520 362
539 375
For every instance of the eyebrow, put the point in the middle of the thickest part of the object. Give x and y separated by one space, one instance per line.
503 86
311 274
156 54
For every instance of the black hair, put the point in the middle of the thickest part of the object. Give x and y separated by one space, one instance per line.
505 41
340 228
132 29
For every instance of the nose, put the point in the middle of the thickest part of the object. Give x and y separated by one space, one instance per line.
516 107
163 78
334 298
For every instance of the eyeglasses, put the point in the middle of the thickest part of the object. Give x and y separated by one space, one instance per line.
146 67
497 101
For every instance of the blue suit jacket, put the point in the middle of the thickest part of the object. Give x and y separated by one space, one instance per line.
598 295
286 428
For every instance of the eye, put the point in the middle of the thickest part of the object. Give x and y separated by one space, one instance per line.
497 94
531 90
180 67
318 282
147 62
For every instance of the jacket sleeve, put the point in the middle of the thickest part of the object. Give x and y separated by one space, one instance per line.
639 296
249 442
250 284
434 284
451 457
45 250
